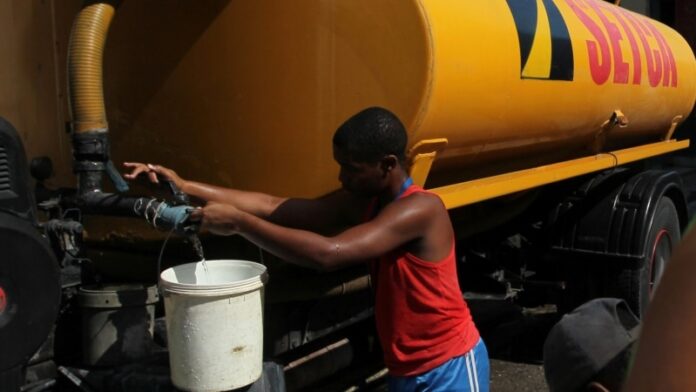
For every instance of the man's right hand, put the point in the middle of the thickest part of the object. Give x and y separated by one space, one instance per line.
152 171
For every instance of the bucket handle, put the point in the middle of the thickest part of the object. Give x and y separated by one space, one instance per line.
159 258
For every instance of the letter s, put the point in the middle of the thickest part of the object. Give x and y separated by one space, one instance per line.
598 51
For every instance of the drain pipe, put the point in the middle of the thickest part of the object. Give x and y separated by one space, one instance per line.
90 131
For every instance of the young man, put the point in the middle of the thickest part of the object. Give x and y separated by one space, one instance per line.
428 337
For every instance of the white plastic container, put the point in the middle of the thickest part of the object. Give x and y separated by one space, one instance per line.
214 323
117 323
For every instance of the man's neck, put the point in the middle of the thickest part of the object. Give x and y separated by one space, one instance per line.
395 188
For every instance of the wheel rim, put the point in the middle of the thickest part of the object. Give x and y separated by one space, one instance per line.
661 251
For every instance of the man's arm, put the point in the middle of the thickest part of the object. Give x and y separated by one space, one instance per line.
401 222
327 214
256 203
322 214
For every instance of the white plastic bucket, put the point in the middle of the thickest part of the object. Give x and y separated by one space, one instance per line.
214 323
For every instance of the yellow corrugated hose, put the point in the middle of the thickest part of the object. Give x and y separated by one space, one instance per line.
85 55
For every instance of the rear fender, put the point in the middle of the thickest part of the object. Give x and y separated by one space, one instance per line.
610 215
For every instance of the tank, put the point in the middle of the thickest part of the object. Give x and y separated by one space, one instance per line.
248 93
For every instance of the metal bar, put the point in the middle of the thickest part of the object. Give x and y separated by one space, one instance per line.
469 192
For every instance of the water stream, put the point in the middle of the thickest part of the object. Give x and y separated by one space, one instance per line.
198 247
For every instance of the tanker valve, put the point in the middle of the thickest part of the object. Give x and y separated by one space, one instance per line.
618 118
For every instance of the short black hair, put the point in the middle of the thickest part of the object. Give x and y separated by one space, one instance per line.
372 134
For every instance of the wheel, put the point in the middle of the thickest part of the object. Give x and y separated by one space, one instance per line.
637 285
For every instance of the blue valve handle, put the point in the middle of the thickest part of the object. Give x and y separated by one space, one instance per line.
175 218
179 196
116 179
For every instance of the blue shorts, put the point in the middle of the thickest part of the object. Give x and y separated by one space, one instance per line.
466 373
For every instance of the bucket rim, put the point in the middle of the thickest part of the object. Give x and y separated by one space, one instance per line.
117 295
237 287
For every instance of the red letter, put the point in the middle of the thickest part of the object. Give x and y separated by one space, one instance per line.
620 66
637 61
600 69
654 67
670 68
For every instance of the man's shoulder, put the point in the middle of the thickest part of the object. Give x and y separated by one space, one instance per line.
425 198
425 202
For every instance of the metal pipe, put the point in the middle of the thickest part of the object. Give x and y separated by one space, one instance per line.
158 213
113 204
319 364
314 287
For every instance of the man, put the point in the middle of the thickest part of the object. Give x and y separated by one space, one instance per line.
590 348
665 357
428 337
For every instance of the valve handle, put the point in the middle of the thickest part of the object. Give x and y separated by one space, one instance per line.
180 198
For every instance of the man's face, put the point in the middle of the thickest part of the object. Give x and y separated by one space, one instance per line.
360 178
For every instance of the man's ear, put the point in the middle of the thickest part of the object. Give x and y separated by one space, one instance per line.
389 162
594 386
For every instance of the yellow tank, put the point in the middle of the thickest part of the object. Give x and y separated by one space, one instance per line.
248 93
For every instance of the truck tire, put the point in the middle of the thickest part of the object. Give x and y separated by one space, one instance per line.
637 285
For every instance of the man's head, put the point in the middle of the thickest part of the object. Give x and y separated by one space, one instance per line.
369 146
590 348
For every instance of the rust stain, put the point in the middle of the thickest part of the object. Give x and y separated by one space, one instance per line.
237 349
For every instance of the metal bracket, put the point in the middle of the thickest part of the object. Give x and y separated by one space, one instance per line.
675 122
421 157
617 119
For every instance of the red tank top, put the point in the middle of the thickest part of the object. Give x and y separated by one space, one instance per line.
422 319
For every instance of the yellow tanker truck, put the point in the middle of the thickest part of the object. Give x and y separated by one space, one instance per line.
538 122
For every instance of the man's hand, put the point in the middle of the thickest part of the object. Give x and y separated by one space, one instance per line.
218 218
152 171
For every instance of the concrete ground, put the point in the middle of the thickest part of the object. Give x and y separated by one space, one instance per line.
515 338
507 376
